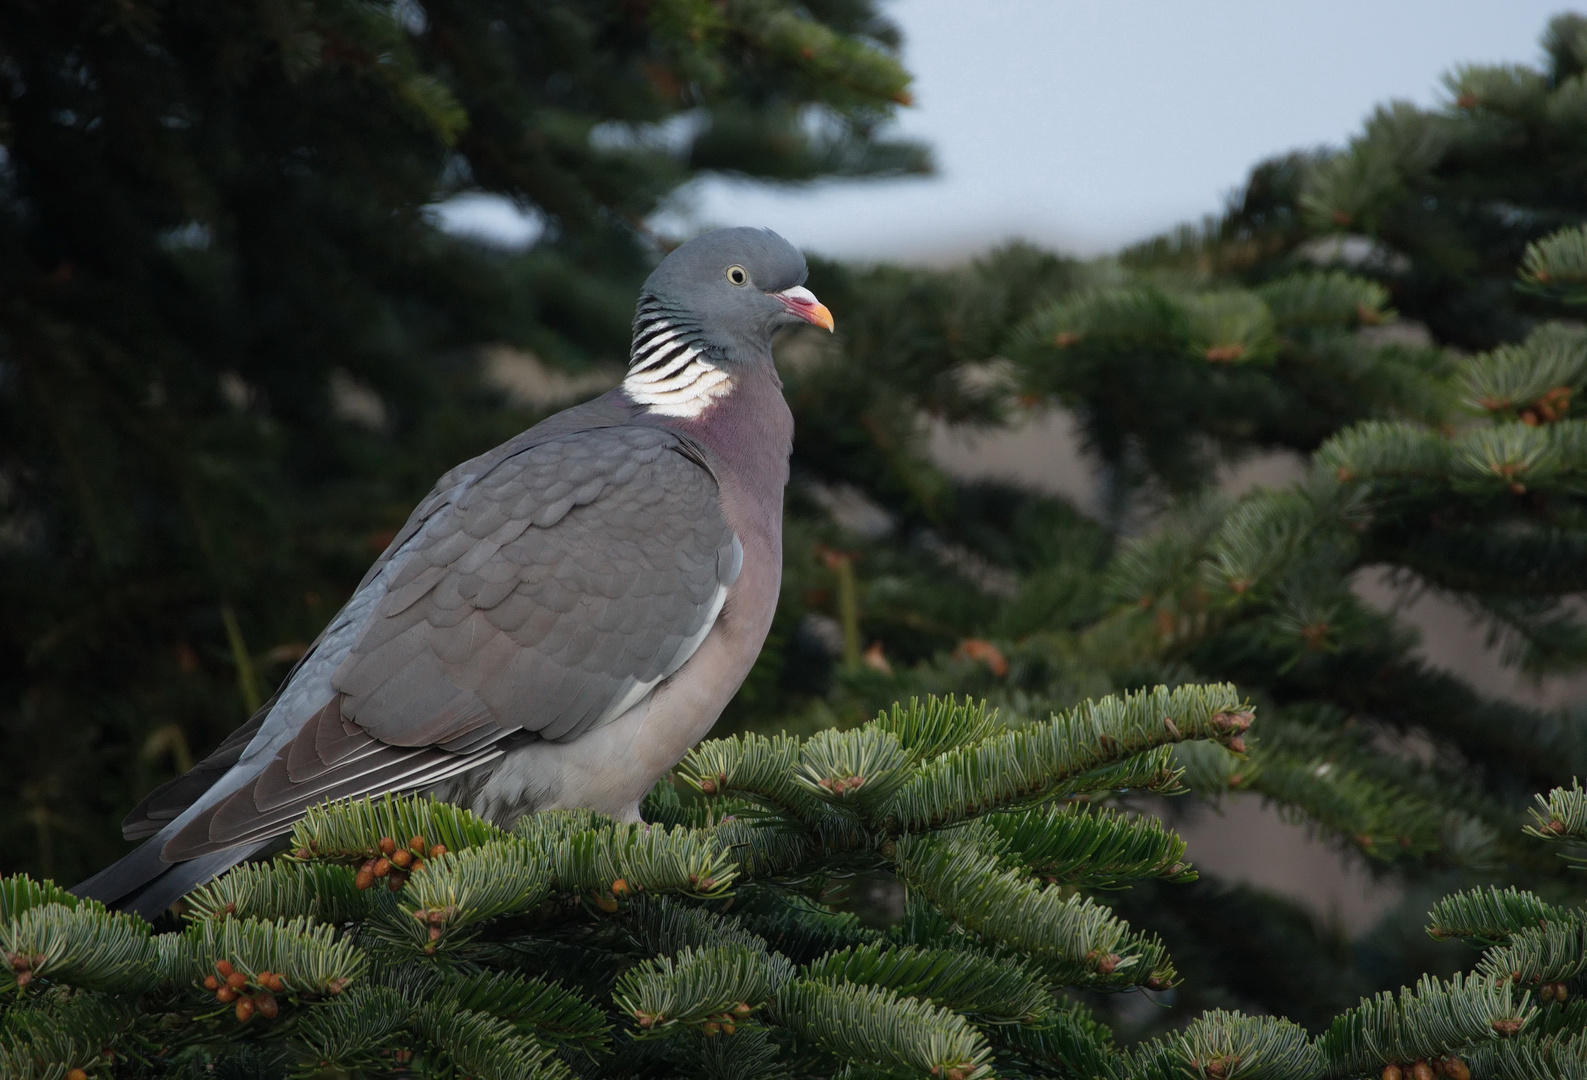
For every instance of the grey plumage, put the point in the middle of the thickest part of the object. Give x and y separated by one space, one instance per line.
558 621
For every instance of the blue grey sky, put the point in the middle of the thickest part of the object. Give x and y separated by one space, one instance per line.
1087 124
1084 125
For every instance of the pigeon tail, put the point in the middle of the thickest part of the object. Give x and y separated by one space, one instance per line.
143 883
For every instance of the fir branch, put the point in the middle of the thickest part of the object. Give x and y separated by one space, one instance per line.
1532 1059
613 858
18 893
1049 760
350 1032
854 771
1432 1019
872 1025
1096 849
537 1007
457 891
719 984
43 1037
1079 943
1489 916
1226 1044
1540 955
751 767
480 1045
84 946
1069 1040
991 990
309 958
1561 815
281 889
1556 265
926 729
353 828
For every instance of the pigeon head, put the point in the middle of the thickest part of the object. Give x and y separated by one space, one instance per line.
709 308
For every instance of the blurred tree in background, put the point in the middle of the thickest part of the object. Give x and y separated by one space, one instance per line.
235 347
184 501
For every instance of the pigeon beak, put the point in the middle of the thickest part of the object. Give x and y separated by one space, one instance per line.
802 304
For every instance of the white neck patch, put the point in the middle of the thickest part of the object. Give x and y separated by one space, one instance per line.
670 375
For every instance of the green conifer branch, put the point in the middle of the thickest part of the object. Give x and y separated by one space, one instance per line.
281 889
309 958
83 946
1489 916
538 1007
1050 760
1539 955
930 727
872 1025
1078 942
1426 1021
455 892
1070 1042
19 892
1094 849
718 984
1531 1059
350 1032
353 828
42 1039
991 990
1225 1044
1561 815
478 1044
613 858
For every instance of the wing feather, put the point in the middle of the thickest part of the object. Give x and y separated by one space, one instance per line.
544 596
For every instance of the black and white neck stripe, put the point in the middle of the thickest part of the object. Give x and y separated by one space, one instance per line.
668 367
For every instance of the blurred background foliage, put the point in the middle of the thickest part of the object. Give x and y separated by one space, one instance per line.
236 348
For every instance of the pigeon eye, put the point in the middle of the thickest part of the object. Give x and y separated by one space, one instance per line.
737 275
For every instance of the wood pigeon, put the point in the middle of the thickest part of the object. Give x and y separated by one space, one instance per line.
558 622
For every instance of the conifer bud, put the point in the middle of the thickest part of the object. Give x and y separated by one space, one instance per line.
437 850
741 1010
1393 1072
237 980
396 880
711 1028
1456 1069
225 995
1506 1029
211 983
277 983
244 1010
387 845
1421 1070
436 932
728 1027
76 1074
417 845
620 887
224 967
400 859
607 904
1236 745
381 867
268 1006
365 876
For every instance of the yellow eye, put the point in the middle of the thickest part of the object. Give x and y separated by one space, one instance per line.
738 275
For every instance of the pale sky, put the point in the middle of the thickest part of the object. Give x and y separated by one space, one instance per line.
1084 125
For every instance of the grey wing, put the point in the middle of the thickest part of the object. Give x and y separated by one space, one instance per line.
548 595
